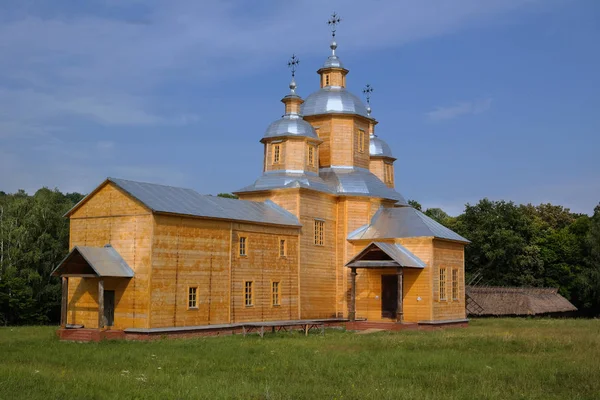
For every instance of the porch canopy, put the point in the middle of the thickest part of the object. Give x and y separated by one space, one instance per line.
382 255
91 262
385 255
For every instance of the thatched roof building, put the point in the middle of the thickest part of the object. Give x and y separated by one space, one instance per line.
516 301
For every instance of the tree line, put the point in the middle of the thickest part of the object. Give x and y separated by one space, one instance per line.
511 245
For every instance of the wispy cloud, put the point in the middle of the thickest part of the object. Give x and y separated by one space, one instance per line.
460 109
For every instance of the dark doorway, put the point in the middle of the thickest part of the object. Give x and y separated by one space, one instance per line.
389 296
109 307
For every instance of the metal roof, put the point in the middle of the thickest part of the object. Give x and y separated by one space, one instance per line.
176 200
403 222
396 252
333 99
291 125
105 262
287 179
358 182
333 61
378 147
349 181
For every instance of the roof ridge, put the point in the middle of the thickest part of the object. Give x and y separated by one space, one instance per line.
115 181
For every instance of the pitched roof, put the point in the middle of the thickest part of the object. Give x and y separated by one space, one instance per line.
398 254
176 200
498 301
403 222
103 261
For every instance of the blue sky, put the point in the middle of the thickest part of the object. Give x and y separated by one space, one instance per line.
495 98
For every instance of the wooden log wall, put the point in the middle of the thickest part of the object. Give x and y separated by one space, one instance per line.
112 217
262 266
449 255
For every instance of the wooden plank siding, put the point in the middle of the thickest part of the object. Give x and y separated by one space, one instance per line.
449 255
112 217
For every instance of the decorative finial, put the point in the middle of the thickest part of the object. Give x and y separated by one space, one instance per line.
367 91
293 64
333 22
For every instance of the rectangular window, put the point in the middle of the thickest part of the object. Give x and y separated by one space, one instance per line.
442 283
326 80
276 153
248 293
275 293
361 141
243 241
192 297
282 248
319 228
388 173
311 155
455 284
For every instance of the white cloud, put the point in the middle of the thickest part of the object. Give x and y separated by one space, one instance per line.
460 109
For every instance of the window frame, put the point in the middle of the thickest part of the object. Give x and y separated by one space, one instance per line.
442 284
311 155
319 226
275 294
250 291
195 298
361 141
455 288
282 254
327 80
276 153
243 245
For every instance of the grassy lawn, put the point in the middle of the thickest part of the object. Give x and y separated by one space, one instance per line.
492 359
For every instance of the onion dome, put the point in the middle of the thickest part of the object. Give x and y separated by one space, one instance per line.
333 61
291 124
379 148
333 99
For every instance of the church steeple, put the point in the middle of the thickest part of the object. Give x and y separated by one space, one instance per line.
333 72
292 101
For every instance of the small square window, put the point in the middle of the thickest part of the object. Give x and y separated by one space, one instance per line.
275 294
248 293
193 297
282 248
243 242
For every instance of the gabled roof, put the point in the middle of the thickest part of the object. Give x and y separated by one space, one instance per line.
498 301
181 201
397 256
403 222
98 261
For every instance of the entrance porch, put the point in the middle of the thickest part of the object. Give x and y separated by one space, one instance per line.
91 268
383 267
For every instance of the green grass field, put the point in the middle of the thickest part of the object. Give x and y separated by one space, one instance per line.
492 359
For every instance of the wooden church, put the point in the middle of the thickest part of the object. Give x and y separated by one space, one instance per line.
321 235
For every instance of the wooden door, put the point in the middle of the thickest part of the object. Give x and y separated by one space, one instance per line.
109 307
389 296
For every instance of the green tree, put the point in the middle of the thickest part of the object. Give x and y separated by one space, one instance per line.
415 204
228 195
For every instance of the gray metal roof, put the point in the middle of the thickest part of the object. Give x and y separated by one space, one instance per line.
403 222
176 200
398 253
348 181
333 99
358 182
378 147
287 179
105 261
291 125
333 61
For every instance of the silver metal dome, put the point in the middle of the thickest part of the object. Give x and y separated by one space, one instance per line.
333 99
290 125
333 62
379 148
